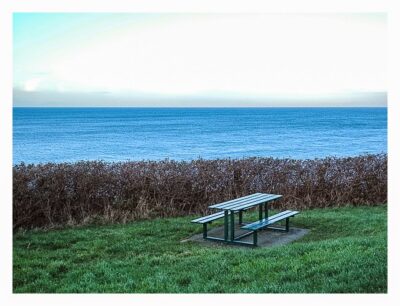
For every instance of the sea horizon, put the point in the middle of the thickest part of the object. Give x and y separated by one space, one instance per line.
206 107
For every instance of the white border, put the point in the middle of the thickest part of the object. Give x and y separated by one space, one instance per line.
393 65
285 6
185 6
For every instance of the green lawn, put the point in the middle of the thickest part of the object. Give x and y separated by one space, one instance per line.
346 251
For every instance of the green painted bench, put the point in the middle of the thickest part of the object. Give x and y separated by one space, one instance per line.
264 223
208 220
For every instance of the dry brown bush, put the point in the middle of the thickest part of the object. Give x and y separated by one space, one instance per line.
52 195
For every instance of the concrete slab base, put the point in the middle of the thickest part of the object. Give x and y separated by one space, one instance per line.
266 238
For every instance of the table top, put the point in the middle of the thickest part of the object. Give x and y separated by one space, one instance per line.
246 202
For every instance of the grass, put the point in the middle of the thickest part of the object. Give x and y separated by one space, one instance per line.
346 251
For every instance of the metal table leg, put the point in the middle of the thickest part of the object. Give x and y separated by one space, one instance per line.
232 226
204 230
226 221
266 210
255 238
260 212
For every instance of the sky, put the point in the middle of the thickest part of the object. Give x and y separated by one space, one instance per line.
133 59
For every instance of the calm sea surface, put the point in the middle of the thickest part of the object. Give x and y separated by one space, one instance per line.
115 134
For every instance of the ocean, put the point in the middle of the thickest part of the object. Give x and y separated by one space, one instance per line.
43 135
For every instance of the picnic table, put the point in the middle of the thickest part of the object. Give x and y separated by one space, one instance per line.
228 210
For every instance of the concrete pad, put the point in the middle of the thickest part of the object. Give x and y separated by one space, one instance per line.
266 238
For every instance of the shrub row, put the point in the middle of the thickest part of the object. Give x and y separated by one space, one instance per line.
52 195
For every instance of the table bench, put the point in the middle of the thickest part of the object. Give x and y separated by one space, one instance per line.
208 220
231 207
264 223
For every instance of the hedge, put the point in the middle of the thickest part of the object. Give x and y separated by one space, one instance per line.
62 194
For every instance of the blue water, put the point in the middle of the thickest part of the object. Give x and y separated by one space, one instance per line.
115 134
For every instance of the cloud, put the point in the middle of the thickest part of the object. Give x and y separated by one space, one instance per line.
32 84
23 98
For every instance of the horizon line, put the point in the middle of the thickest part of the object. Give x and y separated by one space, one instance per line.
304 106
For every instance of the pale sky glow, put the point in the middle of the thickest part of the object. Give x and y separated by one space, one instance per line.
145 59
